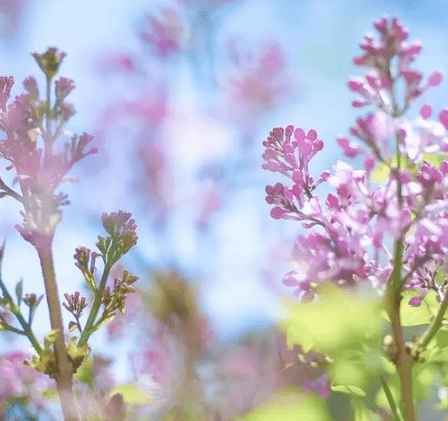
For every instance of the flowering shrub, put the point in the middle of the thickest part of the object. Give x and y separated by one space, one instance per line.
39 172
384 226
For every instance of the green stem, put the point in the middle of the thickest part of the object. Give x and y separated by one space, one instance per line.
391 400
9 328
16 311
64 378
435 324
95 307
401 358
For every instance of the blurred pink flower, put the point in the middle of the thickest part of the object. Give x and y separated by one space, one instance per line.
18 380
120 325
156 180
163 36
117 62
11 16
256 369
259 81
213 198
321 386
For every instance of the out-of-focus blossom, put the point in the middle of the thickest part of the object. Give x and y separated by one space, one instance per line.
113 62
149 109
122 322
11 16
321 386
206 4
20 381
213 198
252 371
163 35
259 81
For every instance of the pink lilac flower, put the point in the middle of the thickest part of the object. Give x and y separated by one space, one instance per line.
291 158
360 220
377 87
6 84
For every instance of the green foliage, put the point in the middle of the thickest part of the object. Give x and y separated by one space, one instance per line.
19 291
289 405
337 321
77 354
414 316
132 394
349 390
45 362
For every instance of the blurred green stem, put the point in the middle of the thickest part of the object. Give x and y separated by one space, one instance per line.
64 378
95 307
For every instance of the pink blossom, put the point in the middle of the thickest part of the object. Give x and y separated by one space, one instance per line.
6 84
20 381
163 35
118 62
321 386
259 81
378 86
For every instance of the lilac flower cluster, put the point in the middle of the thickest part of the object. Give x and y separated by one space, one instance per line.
361 218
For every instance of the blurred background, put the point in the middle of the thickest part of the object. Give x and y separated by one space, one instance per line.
179 96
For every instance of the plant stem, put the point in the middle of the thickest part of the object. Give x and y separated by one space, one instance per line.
436 323
95 307
401 358
64 378
16 311
391 400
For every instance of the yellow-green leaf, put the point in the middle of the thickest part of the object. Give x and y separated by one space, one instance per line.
133 394
289 405
336 320
349 390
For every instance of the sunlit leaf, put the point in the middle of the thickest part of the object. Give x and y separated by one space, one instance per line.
133 394
337 320
289 405
19 291
349 390
414 316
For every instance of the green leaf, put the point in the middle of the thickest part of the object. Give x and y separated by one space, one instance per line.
51 337
441 337
288 405
45 362
361 413
335 322
19 291
133 394
438 355
414 316
77 354
85 373
380 174
394 387
349 390
436 159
